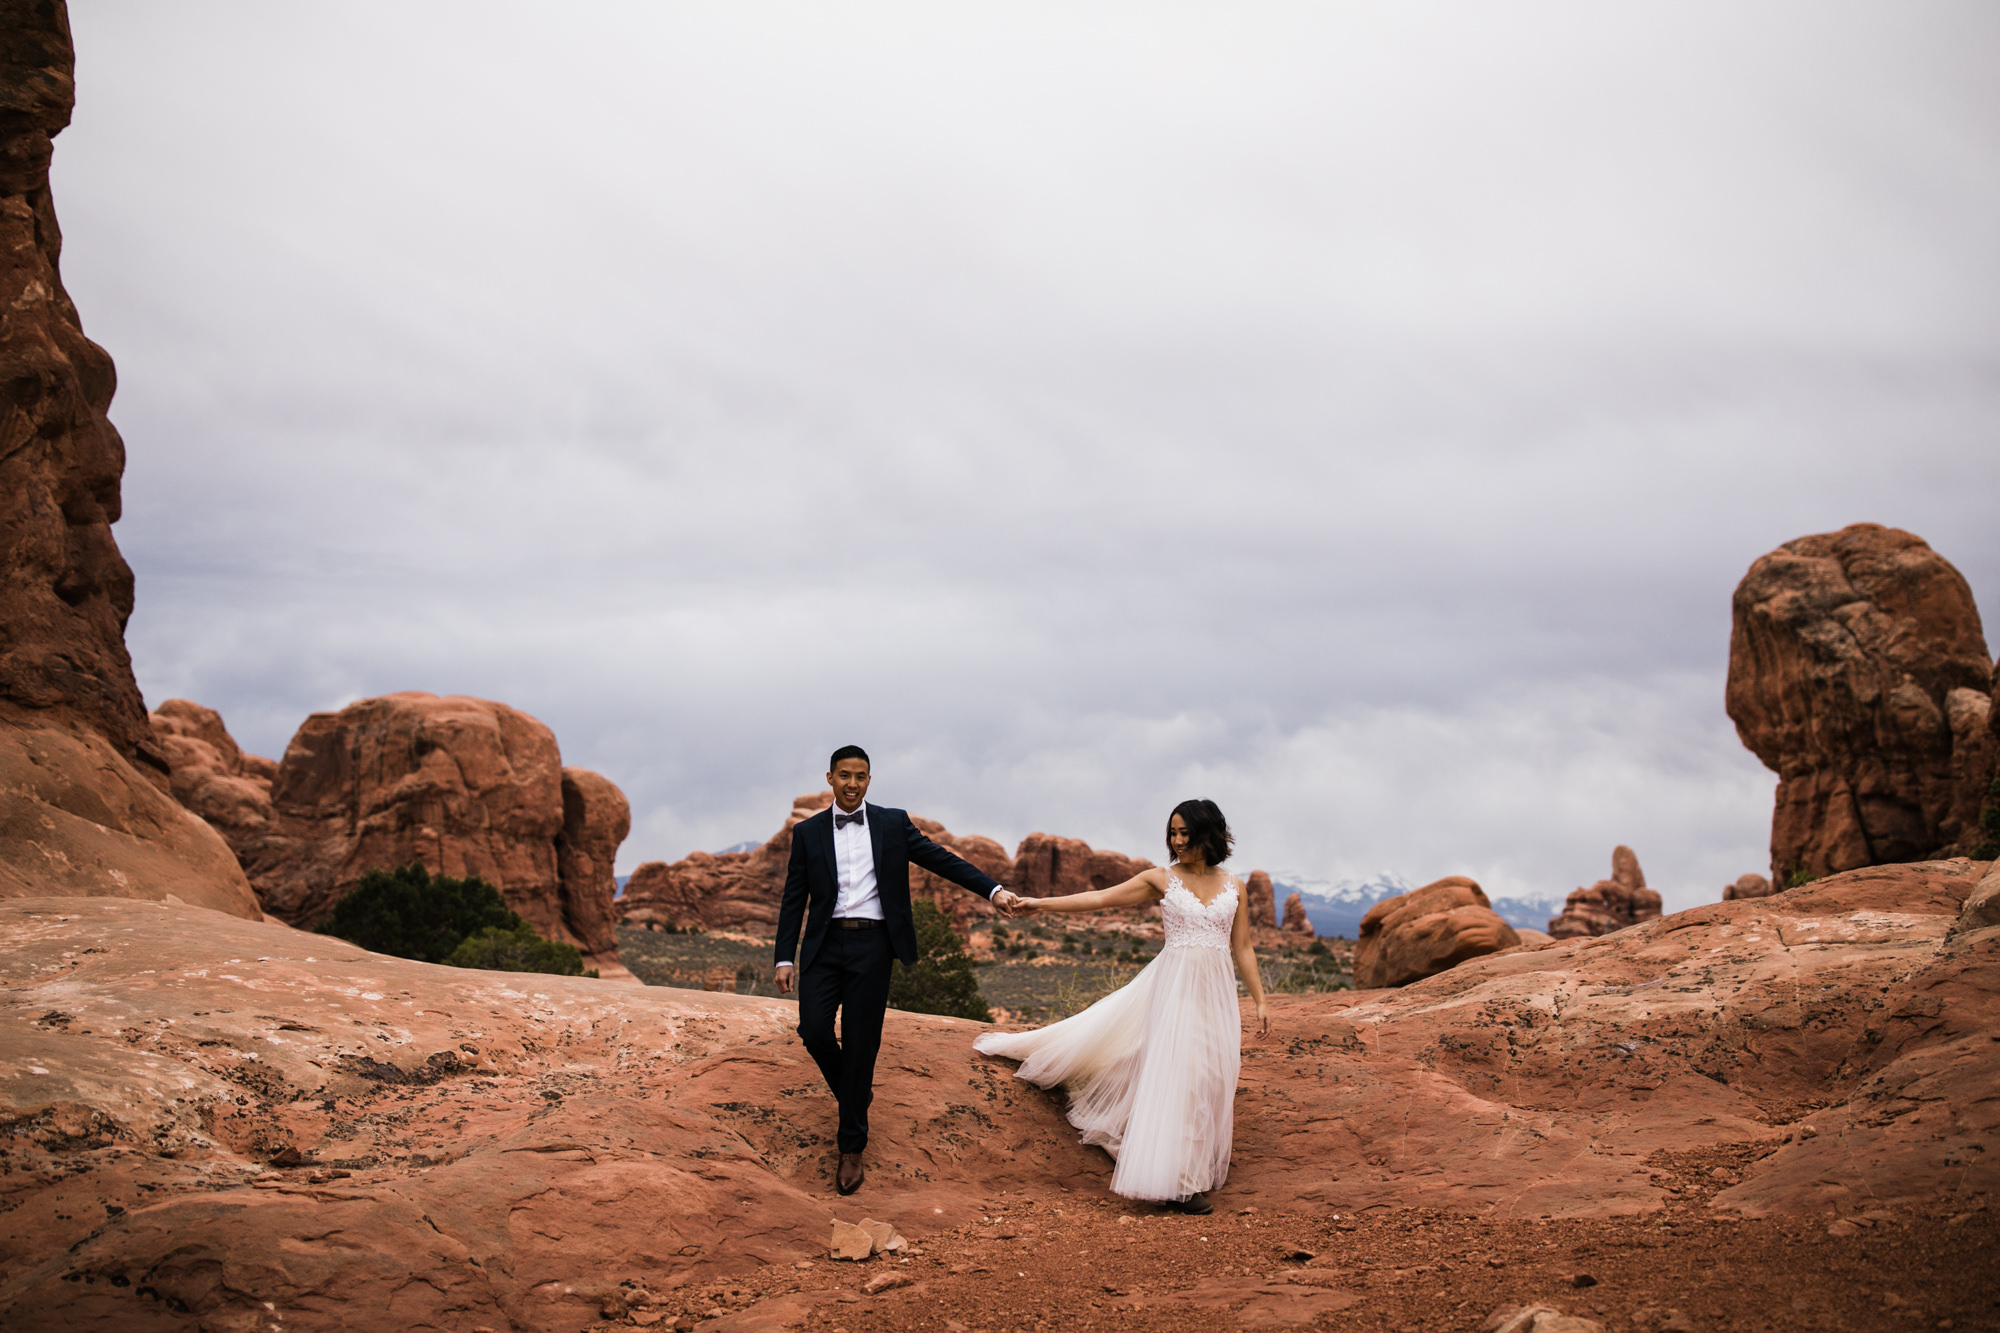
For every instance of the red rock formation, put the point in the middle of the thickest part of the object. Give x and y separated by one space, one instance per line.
740 890
596 818
1425 931
1751 885
1858 673
961 907
1296 920
85 808
1263 899
1046 866
1831 1042
727 891
464 786
1610 904
210 774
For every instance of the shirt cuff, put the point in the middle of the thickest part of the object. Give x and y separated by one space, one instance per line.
784 964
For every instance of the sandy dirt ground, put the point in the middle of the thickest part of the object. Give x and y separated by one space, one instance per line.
1056 1259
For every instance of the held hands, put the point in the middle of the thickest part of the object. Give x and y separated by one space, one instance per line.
1012 904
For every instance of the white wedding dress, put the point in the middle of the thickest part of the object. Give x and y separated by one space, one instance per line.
1151 1068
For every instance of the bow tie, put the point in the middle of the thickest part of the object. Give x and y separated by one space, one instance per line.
842 820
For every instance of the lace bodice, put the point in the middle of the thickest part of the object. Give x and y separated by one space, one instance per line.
1190 924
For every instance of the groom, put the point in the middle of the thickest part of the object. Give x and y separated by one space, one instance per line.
849 885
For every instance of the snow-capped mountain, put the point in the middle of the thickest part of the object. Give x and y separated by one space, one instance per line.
1335 907
1531 913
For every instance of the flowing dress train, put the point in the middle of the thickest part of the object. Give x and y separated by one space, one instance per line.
1151 1068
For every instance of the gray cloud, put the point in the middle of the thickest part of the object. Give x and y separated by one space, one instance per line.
1358 415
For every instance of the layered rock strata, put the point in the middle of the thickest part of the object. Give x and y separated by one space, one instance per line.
84 807
1858 672
1426 931
1610 904
364 1168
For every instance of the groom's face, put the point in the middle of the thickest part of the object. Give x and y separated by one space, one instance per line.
849 781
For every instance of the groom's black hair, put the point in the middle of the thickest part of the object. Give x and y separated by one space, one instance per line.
1207 830
848 752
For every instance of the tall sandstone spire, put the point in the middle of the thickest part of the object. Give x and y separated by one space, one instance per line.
84 807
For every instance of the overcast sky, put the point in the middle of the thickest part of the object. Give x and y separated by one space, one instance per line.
1357 414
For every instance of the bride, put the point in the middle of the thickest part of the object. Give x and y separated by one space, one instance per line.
1151 1068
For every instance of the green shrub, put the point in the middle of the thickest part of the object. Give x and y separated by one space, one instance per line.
1989 826
1799 877
521 950
411 913
942 980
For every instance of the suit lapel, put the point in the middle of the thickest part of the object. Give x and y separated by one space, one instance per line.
875 840
824 834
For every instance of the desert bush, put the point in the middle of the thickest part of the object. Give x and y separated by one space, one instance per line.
412 913
1305 974
522 950
941 982
1989 826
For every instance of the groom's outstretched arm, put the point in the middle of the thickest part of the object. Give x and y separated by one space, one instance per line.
946 865
791 912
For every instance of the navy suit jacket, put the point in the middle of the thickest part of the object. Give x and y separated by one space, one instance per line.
812 880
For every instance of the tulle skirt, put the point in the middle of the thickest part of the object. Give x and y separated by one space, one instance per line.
1150 1070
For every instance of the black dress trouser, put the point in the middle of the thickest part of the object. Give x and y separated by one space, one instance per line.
849 973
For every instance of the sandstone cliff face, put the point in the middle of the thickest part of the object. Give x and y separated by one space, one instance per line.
210 775
1858 672
1046 866
1610 904
464 786
1425 931
83 803
596 818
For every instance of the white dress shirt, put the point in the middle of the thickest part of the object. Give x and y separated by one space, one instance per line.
854 865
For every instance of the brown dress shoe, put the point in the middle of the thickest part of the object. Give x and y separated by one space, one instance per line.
848 1179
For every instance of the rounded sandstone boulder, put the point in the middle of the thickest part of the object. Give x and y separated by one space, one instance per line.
1427 931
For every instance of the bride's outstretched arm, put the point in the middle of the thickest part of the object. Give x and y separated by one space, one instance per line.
1145 887
1246 962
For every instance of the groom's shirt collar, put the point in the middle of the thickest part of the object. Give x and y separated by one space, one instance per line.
854 869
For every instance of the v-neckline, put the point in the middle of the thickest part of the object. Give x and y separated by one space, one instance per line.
1197 897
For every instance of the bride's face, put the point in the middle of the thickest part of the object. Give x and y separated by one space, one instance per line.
1177 841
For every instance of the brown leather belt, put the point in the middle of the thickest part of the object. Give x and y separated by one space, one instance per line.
856 923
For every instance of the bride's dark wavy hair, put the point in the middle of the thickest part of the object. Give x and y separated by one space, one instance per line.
1207 830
